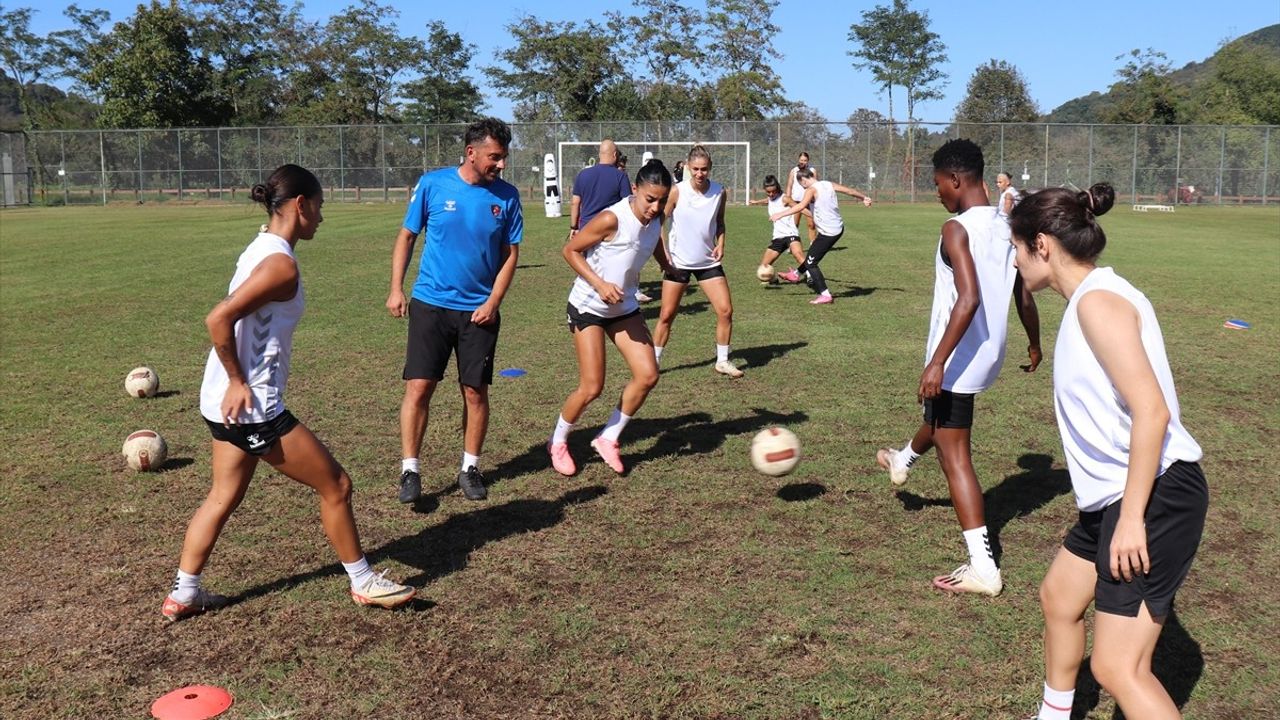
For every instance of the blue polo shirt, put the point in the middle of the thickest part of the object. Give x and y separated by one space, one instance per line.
467 227
599 186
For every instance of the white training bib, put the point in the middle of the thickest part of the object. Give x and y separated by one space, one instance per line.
693 226
826 209
797 192
786 227
977 359
618 259
264 343
1093 420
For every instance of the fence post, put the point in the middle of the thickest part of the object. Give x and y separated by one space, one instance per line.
62 168
1266 152
219 145
1001 144
382 143
1177 170
1090 175
102 164
141 176
1046 156
1134 179
1222 160
342 164
178 133
778 144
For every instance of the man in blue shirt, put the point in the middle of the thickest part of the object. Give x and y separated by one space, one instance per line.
474 225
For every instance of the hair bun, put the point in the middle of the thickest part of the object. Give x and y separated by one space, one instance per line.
1099 198
260 193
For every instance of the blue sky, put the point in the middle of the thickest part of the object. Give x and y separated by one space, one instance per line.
1063 49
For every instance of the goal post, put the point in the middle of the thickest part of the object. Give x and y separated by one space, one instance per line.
567 174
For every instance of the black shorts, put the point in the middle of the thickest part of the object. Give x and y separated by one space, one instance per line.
435 332
254 438
780 245
681 275
578 320
1174 520
949 410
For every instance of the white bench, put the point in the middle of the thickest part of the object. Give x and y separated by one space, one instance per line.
1161 208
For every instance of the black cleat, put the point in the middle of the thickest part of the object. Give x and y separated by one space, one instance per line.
472 484
410 486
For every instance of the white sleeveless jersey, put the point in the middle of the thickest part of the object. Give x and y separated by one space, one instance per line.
264 342
693 226
1094 422
826 209
618 259
797 192
786 227
976 361
1008 192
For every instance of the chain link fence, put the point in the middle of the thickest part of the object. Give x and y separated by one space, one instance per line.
381 163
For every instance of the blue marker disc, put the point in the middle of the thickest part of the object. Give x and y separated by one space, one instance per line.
512 372
1236 325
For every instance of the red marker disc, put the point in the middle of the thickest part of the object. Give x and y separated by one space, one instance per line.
194 702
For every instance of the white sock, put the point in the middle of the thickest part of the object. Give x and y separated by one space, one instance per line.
906 457
613 428
359 572
1056 704
980 558
409 465
657 353
825 293
562 431
469 460
722 353
185 587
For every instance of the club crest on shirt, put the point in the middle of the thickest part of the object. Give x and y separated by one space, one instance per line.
450 205
496 210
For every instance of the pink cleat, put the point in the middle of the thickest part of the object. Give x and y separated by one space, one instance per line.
790 276
823 299
608 451
561 460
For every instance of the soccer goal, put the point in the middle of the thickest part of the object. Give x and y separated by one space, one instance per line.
731 169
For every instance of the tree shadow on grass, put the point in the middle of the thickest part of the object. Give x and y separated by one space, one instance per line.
446 548
1177 662
1019 495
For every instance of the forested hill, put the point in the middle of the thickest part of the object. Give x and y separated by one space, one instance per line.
1234 85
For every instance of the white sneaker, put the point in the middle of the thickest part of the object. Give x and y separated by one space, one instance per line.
887 458
383 592
724 367
965 579
641 297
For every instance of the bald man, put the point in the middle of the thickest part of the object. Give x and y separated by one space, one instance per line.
597 187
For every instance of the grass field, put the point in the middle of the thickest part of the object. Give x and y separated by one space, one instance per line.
691 588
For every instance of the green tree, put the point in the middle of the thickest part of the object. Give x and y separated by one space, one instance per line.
997 93
896 45
664 60
147 73
444 93
747 87
556 70
249 65
1145 93
28 59
1244 88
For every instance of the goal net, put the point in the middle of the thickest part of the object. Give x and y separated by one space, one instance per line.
730 161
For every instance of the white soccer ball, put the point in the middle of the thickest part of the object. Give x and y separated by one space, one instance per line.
775 451
764 273
145 450
142 382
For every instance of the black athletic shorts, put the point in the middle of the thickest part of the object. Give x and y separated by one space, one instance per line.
1174 520
949 410
578 320
436 332
254 438
780 245
681 275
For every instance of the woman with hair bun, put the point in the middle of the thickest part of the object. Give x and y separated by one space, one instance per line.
607 255
1140 491
242 401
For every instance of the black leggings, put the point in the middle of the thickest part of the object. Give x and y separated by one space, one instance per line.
817 249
